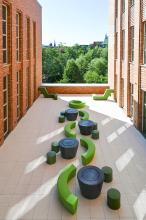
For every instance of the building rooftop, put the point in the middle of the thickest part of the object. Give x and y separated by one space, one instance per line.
28 184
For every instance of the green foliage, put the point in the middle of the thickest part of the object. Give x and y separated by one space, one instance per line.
77 64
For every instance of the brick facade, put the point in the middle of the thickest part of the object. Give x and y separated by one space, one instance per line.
29 42
125 73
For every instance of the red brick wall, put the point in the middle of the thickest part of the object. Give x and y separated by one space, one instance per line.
32 10
99 89
130 72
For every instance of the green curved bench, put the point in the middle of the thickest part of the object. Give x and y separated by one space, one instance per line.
46 94
105 96
84 115
76 104
68 130
67 198
89 154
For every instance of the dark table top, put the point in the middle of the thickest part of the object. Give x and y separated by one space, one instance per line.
71 111
90 175
68 143
86 123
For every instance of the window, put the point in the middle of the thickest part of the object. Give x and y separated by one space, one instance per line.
144 112
28 39
116 45
132 100
27 87
5 104
34 39
132 2
123 44
5 33
34 81
123 6
132 44
144 44
18 94
116 8
18 37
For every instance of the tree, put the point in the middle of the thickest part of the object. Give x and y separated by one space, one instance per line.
82 64
91 77
71 73
98 65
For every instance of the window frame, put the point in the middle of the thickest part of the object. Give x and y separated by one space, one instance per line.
132 33
18 28
5 105
5 34
144 43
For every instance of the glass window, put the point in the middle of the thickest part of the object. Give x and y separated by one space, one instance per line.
123 6
144 44
123 44
18 37
132 2
28 38
18 94
132 43
5 105
4 33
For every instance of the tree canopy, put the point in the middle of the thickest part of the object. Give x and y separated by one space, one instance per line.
76 64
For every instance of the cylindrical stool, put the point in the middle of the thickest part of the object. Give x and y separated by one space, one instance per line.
71 114
61 119
55 146
95 126
95 134
68 147
62 113
113 199
51 157
108 174
90 180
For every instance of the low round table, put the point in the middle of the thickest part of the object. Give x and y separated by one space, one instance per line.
86 127
71 114
90 180
68 147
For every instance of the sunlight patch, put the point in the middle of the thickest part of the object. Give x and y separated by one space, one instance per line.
50 135
25 205
124 160
140 206
34 164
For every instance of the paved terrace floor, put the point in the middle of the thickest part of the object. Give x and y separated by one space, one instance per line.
28 184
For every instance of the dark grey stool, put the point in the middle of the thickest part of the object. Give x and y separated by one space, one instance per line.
68 147
90 180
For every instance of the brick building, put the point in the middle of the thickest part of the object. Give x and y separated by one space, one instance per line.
20 60
127 57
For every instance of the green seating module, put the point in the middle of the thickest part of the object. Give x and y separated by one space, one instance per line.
67 198
84 115
113 199
68 130
46 94
89 154
77 104
105 96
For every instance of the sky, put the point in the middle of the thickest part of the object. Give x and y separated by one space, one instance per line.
74 21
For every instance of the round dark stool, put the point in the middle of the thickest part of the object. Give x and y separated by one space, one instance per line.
113 199
95 134
51 157
61 119
68 147
90 180
71 114
55 146
108 174
86 127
